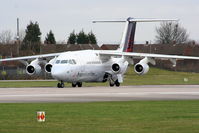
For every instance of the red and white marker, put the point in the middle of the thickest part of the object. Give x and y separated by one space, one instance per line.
41 116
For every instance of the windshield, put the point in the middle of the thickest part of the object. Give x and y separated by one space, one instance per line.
69 61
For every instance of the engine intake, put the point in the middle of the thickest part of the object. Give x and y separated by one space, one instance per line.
30 69
49 65
48 68
116 68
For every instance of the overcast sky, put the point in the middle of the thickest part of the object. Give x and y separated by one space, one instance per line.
64 16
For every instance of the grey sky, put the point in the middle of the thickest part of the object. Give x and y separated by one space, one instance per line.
62 16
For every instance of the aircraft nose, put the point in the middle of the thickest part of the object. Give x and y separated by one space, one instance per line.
57 73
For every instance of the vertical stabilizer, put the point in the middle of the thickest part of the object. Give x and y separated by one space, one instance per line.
128 37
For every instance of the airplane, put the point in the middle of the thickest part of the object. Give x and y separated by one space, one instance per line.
110 66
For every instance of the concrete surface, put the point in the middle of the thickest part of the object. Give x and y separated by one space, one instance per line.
90 94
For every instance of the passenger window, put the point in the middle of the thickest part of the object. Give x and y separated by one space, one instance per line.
57 61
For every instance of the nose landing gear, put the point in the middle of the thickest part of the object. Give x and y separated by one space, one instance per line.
60 85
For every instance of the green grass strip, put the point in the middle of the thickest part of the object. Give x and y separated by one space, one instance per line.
102 117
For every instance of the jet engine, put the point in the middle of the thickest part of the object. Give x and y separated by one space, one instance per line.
119 67
33 68
48 66
141 68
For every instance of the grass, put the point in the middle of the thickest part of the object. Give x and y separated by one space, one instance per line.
22 84
154 77
102 117
157 76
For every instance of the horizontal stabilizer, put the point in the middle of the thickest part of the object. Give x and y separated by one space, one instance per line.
109 21
135 20
150 20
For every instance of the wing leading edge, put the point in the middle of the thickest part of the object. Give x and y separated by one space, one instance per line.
142 55
31 57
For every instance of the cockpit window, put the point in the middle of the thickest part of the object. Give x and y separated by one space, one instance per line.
64 61
74 62
57 61
71 61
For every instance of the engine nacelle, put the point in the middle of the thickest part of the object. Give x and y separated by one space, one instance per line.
33 68
141 68
49 65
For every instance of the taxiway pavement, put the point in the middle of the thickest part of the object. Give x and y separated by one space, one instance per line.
90 94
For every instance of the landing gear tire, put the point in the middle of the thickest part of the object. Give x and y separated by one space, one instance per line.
60 85
111 84
74 84
117 83
79 84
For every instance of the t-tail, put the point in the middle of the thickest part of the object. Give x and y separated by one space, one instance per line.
128 37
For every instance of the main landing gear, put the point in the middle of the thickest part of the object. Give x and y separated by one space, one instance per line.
112 83
60 85
79 84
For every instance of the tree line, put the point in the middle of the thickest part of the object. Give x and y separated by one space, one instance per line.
82 38
31 39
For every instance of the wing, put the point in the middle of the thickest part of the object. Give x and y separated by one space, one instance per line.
142 55
31 57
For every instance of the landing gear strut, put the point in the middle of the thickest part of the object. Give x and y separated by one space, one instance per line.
60 85
79 84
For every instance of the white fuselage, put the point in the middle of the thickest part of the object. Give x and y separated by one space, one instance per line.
81 66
